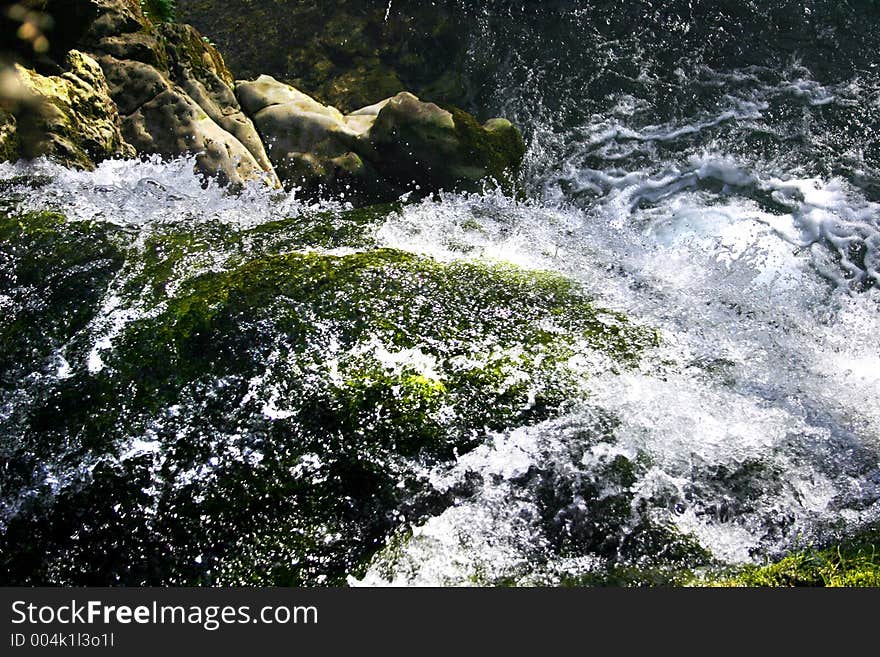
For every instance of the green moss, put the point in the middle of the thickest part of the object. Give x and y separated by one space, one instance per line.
295 396
405 302
359 414
159 11
170 252
498 146
854 562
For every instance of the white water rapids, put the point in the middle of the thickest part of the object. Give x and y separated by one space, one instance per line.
756 420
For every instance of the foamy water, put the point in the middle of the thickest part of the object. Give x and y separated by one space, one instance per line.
752 428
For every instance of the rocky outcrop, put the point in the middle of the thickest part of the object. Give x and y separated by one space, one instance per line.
347 53
116 82
399 144
171 123
198 68
69 117
173 92
300 387
312 145
175 95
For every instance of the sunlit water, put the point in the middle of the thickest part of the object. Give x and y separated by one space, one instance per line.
745 229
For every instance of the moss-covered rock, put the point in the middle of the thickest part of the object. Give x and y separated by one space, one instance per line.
53 278
424 146
73 119
379 152
346 53
234 406
853 562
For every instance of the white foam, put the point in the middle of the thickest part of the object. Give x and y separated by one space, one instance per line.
767 359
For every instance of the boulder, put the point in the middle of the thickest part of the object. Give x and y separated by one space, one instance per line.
169 92
161 118
312 145
69 117
172 124
424 146
381 151
198 68
347 53
173 92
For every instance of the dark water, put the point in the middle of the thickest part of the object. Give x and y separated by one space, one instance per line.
765 72
708 169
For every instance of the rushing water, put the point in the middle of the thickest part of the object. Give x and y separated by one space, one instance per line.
708 169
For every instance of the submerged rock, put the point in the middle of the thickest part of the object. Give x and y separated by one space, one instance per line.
210 405
397 145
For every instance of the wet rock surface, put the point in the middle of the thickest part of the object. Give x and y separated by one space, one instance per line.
172 95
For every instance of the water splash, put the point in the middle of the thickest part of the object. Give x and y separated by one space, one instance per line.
731 205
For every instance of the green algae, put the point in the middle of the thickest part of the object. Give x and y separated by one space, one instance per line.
244 407
497 146
853 562
54 276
